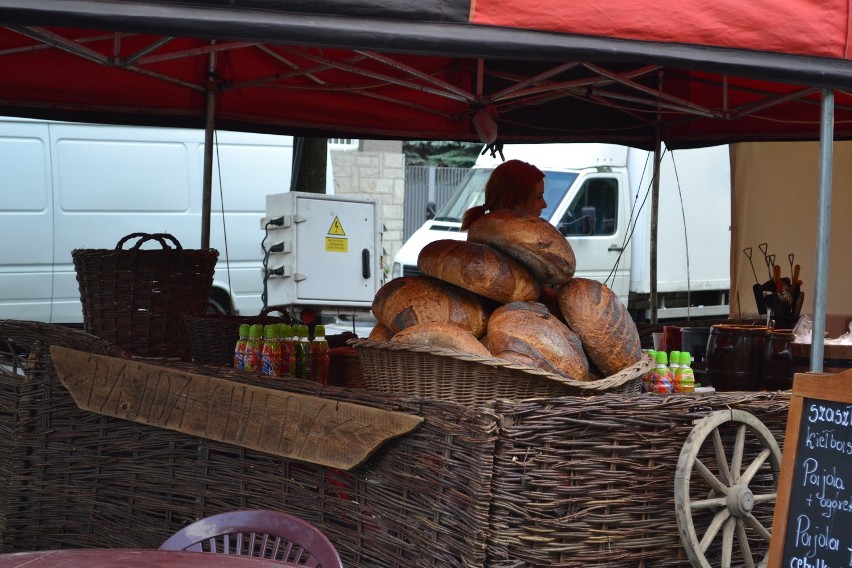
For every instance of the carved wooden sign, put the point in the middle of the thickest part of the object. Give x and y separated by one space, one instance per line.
308 428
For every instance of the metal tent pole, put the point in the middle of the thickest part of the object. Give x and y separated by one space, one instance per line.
655 214
826 149
207 184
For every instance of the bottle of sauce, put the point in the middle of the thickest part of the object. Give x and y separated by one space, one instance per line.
288 351
685 376
319 356
240 347
303 352
662 382
253 359
674 363
271 352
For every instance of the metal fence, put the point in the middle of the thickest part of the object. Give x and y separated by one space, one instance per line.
424 185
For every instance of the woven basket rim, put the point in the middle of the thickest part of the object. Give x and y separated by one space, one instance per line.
642 366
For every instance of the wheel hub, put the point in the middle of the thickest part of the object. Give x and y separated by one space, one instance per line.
740 500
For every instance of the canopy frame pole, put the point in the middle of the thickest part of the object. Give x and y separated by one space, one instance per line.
209 127
826 155
655 214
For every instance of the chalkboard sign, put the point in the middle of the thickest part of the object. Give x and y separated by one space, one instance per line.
812 525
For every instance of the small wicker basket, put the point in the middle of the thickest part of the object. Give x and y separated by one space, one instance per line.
212 337
344 369
474 380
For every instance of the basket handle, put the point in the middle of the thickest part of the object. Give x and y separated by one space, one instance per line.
144 237
280 309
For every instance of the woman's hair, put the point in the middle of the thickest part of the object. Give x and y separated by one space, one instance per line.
511 185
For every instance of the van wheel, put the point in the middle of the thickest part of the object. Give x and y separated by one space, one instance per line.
219 303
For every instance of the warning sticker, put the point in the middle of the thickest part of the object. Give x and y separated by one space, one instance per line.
336 228
334 244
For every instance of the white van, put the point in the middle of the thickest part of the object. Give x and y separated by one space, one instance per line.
598 196
66 186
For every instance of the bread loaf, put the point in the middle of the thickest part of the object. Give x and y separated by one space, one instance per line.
444 335
530 240
410 300
380 332
526 332
478 268
609 335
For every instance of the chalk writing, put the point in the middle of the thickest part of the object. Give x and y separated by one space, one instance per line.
817 532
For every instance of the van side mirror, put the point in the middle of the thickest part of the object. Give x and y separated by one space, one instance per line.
589 220
431 210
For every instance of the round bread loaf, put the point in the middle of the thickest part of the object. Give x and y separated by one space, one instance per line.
410 300
444 335
478 268
530 240
526 332
606 329
380 332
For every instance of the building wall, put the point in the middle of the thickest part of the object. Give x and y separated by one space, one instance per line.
377 175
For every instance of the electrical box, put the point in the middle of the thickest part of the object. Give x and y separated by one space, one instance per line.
321 250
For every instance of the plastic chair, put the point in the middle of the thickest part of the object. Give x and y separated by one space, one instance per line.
262 534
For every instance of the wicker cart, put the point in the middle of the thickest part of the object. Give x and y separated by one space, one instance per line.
601 480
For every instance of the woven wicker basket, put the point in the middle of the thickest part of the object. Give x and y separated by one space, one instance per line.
212 337
344 368
137 298
474 380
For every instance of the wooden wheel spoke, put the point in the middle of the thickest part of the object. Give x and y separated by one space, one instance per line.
742 537
714 481
755 524
707 503
728 541
753 468
737 457
721 458
765 498
712 530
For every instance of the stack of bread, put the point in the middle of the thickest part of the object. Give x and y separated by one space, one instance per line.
509 291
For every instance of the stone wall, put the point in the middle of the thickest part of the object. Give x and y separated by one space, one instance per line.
376 175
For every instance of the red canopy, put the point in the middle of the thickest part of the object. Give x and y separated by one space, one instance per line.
694 72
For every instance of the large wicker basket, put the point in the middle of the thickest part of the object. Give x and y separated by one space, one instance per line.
137 298
474 380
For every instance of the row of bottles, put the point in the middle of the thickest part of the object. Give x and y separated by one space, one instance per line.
671 373
283 351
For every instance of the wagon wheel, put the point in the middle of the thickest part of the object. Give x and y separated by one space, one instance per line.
730 501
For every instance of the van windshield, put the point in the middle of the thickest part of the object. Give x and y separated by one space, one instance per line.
471 192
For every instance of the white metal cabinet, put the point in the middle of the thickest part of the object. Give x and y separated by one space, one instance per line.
326 250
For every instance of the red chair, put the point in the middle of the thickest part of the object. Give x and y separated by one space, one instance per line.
263 534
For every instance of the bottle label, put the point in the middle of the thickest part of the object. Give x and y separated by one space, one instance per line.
252 359
240 355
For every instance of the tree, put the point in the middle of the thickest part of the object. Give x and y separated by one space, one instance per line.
309 164
441 153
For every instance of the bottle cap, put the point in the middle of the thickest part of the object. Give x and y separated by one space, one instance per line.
319 330
284 330
269 331
256 331
662 357
244 329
